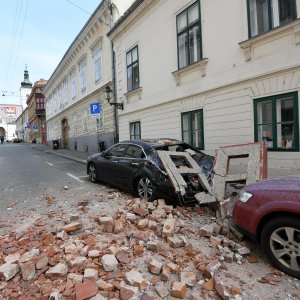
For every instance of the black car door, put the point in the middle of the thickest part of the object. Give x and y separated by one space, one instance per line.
110 170
130 164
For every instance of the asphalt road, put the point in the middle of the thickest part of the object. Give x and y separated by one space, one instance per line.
31 178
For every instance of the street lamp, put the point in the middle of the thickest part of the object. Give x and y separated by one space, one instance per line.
108 97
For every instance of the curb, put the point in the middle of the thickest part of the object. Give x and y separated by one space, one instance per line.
83 161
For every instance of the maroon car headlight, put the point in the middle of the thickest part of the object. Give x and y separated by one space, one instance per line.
244 196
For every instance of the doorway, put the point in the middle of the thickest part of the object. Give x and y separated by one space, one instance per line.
2 132
65 133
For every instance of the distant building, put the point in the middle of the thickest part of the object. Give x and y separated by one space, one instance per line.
36 113
25 88
10 114
8 118
23 126
80 80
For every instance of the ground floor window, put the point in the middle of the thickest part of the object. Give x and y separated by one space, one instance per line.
276 122
192 128
135 130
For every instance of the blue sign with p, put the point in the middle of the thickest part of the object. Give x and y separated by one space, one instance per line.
95 108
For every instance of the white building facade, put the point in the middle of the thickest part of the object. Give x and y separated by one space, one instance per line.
212 73
79 81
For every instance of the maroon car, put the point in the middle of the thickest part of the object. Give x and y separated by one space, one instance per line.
269 211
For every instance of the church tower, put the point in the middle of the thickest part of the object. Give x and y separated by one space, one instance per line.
25 89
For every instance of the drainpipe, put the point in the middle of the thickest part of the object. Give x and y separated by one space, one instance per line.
113 69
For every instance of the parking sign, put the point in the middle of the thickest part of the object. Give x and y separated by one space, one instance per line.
95 108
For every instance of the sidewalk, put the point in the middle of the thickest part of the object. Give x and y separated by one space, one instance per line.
69 154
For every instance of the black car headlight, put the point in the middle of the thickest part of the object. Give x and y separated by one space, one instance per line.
244 196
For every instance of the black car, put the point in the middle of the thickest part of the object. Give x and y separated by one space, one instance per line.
135 166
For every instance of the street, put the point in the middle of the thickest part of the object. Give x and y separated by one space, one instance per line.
34 182
48 204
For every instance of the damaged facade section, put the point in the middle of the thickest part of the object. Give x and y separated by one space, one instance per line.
180 165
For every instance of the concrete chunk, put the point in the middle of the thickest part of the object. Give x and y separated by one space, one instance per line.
8 271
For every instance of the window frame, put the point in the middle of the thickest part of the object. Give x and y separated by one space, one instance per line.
131 65
97 60
187 31
190 113
83 75
274 100
134 135
271 19
73 83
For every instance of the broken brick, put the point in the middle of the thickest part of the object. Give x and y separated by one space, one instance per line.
178 290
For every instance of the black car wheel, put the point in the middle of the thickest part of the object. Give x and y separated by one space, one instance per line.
145 188
280 239
92 173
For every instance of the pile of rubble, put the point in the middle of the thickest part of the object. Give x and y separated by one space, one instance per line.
142 251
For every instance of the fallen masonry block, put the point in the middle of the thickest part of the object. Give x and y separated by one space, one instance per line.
154 266
72 227
27 256
207 230
135 278
118 226
162 290
90 273
169 227
142 224
104 286
28 270
41 262
220 288
178 290
211 268
86 289
11 258
8 271
204 198
256 153
189 278
152 246
109 262
128 292
176 242
174 268
57 271
166 273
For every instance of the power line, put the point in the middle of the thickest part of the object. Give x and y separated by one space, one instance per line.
13 39
19 42
74 4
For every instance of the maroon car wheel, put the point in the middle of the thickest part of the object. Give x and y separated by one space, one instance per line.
280 239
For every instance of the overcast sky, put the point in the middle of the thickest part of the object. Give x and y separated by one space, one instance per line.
36 33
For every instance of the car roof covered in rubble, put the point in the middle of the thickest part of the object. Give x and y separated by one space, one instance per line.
153 142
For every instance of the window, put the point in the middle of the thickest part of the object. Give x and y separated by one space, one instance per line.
82 72
135 130
65 91
264 15
189 36
192 128
132 61
117 150
134 152
97 64
73 83
276 121
40 103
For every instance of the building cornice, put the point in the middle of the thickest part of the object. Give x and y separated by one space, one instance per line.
89 30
